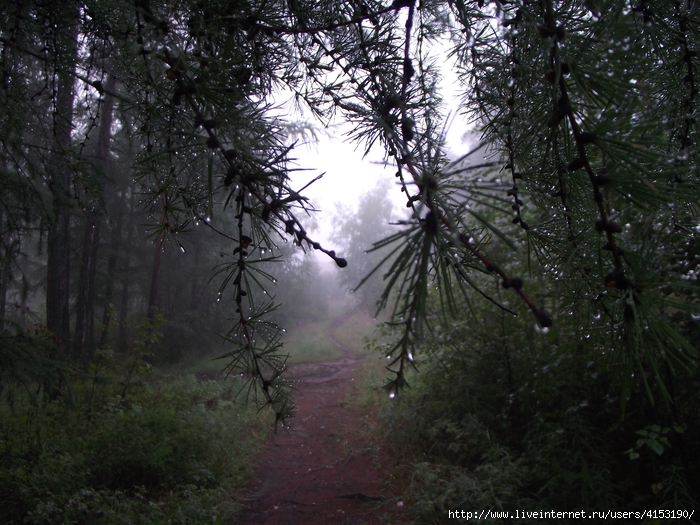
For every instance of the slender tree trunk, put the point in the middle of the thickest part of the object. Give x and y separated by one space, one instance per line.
85 312
86 292
124 302
112 270
124 309
155 276
23 293
195 288
58 250
58 278
4 271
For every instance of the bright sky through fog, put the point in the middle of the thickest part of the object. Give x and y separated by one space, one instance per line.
347 175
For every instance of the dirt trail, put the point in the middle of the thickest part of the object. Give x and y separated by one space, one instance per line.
322 471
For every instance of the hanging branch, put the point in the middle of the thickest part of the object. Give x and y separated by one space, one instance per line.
432 224
276 207
564 110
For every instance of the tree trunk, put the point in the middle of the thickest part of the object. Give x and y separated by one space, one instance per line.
196 287
155 276
112 270
86 292
85 311
58 249
4 271
124 302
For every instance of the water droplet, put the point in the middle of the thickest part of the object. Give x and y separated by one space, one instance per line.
695 316
542 330
597 317
182 248
392 395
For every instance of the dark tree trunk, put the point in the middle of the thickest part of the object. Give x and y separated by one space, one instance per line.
86 291
195 287
85 311
124 308
126 278
58 276
111 271
155 276
58 249
4 271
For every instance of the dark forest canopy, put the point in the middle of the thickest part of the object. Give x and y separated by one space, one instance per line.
589 203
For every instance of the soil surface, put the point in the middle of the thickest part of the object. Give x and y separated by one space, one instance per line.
325 469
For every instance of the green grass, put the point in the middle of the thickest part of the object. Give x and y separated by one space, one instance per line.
206 365
314 340
310 343
355 329
305 343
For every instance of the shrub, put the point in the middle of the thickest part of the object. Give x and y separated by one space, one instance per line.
504 418
167 453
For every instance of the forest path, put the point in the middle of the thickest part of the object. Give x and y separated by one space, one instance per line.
325 469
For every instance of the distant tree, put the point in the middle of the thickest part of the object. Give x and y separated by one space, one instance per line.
356 231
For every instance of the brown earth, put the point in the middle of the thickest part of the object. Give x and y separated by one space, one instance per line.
328 467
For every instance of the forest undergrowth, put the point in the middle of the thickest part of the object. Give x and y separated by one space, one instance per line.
503 417
120 443
136 438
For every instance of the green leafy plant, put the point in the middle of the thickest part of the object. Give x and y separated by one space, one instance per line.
654 438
